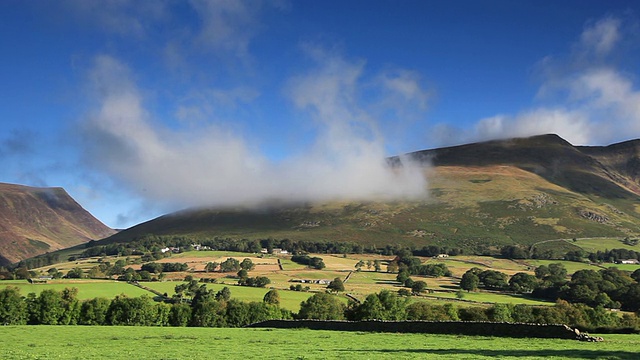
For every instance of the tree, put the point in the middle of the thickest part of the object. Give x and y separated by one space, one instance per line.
377 265
392 267
418 287
211 266
179 314
492 279
336 285
513 252
247 264
469 281
272 297
230 265
75 273
402 276
94 311
322 306
138 311
523 282
243 274
224 294
385 305
359 265
13 310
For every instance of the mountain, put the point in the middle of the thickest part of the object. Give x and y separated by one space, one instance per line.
482 196
38 220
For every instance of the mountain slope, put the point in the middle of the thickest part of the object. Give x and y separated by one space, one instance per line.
38 220
482 196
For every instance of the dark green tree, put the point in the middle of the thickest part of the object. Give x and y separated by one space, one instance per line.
419 287
94 311
13 310
523 283
322 306
272 297
179 314
247 264
469 281
336 285
230 265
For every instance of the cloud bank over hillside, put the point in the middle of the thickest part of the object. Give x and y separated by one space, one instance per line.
210 164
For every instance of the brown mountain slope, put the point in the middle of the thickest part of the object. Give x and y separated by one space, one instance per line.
38 220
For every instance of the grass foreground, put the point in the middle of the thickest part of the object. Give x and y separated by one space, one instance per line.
112 342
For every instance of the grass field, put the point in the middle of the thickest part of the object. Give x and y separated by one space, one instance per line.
87 289
85 342
602 244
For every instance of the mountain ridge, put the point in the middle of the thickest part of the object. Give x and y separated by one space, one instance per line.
35 220
483 195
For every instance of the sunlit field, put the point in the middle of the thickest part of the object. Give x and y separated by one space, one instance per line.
107 342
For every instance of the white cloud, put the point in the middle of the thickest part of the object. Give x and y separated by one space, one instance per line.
206 165
601 37
590 100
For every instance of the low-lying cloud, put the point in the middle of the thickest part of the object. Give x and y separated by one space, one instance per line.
209 164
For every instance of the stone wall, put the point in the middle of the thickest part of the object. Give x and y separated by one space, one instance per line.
431 327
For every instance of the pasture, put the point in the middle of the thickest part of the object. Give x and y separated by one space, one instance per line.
111 342
87 289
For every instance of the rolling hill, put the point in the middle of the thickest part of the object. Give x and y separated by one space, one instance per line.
38 220
482 196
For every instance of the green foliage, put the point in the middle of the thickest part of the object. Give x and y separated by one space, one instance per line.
272 297
469 281
523 283
139 311
492 279
336 285
230 265
322 306
258 281
247 264
312 262
13 310
418 287
94 311
75 273
385 305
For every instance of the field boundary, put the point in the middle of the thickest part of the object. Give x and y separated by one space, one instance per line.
500 329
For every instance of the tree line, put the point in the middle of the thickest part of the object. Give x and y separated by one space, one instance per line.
388 305
199 306
205 308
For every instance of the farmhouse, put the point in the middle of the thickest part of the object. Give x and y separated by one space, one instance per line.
630 261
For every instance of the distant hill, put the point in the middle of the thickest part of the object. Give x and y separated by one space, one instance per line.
482 196
38 220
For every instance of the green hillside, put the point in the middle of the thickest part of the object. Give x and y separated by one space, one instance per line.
481 197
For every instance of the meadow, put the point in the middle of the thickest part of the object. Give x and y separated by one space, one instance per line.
87 289
360 283
112 342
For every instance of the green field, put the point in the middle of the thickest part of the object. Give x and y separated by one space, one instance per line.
86 342
602 244
87 289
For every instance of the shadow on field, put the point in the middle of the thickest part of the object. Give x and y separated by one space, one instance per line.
386 281
566 354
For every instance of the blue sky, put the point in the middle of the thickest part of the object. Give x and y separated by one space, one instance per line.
139 108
